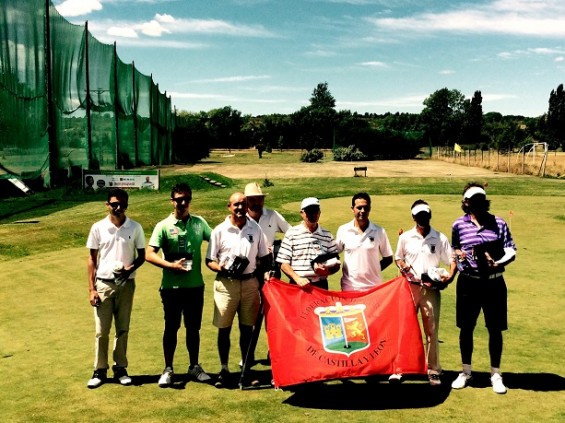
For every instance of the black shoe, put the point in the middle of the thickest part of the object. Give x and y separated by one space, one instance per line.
121 375
223 379
97 379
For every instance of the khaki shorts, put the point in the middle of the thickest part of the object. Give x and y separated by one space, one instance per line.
233 296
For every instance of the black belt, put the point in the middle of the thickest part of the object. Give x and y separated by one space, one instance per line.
243 277
109 280
478 276
106 280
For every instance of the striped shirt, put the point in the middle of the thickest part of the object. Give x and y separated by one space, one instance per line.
465 236
300 246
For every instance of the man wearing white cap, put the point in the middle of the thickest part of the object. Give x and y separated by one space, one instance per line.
366 245
483 246
304 244
420 251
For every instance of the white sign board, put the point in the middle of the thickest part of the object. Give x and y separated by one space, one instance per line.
94 180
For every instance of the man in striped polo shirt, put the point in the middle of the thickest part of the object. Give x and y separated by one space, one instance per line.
304 243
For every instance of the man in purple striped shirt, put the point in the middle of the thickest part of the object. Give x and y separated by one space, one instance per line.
483 247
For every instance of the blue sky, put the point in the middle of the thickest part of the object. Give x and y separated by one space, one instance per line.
377 56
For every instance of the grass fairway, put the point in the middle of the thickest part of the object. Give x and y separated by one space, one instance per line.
46 324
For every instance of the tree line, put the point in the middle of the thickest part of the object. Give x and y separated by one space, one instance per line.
448 118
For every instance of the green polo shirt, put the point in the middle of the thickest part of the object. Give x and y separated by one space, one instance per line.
177 240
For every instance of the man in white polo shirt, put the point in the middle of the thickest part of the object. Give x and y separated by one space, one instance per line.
420 250
237 251
366 246
117 249
303 244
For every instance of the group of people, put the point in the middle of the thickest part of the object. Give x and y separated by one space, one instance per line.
243 252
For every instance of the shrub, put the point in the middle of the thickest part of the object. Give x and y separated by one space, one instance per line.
312 156
348 154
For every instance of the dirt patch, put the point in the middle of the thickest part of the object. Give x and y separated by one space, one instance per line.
384 168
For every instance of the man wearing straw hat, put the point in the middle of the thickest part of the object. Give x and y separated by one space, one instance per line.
271 223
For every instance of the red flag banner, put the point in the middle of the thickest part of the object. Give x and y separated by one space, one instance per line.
317 335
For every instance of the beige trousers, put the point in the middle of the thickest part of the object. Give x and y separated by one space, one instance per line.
116 303
428 301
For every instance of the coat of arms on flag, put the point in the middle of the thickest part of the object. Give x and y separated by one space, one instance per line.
343 328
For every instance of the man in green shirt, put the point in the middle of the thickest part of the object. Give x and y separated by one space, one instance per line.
180 237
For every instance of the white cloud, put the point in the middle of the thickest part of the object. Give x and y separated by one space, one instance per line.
559 59
497 97
374 64
150 43
152 28
320 53
534 18
547 51
541 51
78 7
215 26
125 32
446 72
409 101
164 18
195 96
234 79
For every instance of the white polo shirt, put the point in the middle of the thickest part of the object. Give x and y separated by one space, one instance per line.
363 253
227 240
272 222
423 253
115 244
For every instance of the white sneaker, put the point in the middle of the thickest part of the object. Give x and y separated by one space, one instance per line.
497 384
166 378
199 374
395 378
461 381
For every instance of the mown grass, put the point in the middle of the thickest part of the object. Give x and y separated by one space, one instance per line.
46 325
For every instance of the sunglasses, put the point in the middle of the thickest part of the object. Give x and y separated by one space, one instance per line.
116 204
179 200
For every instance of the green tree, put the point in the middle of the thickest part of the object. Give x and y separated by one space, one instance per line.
191 137
556 117
473 124
443 116
225 127
315 123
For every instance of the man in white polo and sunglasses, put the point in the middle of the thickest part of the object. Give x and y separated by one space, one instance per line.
117 249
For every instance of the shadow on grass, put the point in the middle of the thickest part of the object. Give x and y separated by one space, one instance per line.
415 392
255 379
543 382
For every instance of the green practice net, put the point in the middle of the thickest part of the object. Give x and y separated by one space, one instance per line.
82 108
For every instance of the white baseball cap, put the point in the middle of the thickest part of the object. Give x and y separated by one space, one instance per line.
418 208
473 191
309 201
